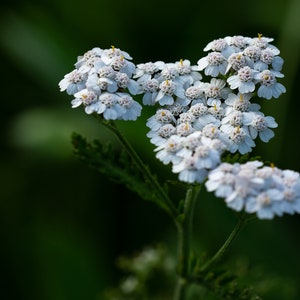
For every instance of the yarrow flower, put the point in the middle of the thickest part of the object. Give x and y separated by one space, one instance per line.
199 119
266 191
102 82
166 83
197 126
214 64
269 86
244 80
226 105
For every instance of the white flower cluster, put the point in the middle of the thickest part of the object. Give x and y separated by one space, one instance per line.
162 83
264 190
197 121
101 81
248 61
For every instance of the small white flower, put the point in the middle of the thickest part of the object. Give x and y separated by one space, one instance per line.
198 109
263 43
109 106
192 175
160 136
108 55
221 180
168 72
236 61
150 88
167 152
240 192
234 118
177 108
186 117
186 72
208 157
217 111
73 82
216 91
87 98
266 204
240 102
161 117
241 141
88 57
269 86
167 90
100 84
191 142
243 81
204 120
120 64
184 129
146 69
216 45
252 54
260 125
132 108
104 71
220 45
213 64
268 58
123 82
237 42
188 171
196 91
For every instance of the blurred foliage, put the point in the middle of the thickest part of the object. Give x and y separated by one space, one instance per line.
62 225
118 166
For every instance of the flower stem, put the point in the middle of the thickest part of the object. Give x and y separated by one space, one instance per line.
184 226
223 249
166 202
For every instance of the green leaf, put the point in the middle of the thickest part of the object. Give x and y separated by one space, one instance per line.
238 158
225 285
117 165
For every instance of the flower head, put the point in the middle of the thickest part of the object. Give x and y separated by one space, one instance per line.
195 120
263 190
269 87
103 82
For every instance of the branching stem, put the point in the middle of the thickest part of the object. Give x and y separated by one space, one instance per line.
184 226
168 206
223 249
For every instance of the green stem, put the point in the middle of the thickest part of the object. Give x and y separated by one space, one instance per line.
223 249
167 203
184 226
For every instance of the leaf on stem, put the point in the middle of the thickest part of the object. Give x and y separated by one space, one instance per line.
225 285
117 165
238 158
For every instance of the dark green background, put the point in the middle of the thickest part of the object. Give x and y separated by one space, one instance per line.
62 225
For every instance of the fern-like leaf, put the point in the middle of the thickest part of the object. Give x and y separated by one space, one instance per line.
116 165
225 285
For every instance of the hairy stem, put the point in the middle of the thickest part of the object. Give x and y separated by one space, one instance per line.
184 226
168 206
223 249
